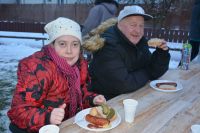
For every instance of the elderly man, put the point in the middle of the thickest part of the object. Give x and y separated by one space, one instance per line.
122 62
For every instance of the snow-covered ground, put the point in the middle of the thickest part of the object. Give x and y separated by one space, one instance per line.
11 51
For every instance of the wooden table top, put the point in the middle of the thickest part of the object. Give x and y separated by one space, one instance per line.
158 112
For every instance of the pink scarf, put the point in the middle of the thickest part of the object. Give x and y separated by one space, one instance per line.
72 75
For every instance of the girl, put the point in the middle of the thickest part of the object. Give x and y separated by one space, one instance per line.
52 83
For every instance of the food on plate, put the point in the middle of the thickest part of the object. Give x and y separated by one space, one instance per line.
167 85
97 121
155 42
101 116
93 126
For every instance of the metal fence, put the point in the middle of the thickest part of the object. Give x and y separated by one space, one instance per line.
178 36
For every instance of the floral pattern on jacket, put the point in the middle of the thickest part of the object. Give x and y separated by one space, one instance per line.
40 89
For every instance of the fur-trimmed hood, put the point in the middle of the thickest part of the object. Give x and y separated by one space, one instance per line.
92 41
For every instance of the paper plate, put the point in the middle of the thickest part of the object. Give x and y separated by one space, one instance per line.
154 82
80 121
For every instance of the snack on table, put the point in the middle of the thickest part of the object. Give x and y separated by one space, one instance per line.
167 85
155 42
97 122
101 116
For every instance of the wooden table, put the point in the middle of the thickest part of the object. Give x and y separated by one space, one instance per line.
158 112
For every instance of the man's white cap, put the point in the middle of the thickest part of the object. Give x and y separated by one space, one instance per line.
133 10
62 26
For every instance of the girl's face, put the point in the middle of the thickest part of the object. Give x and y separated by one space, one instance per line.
68 47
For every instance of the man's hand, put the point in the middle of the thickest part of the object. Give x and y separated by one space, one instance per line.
57 114
163 45
99 100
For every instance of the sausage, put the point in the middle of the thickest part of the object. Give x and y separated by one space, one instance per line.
93 126
166 83
99 122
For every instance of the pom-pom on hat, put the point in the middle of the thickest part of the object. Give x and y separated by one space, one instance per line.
133 10
62 26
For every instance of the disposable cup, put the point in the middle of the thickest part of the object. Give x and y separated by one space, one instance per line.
130 106
49 129
195 128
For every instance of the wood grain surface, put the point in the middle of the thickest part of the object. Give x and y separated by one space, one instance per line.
158 112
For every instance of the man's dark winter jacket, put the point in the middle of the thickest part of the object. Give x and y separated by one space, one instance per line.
120 67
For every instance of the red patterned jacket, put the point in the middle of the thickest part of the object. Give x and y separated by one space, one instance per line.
41 88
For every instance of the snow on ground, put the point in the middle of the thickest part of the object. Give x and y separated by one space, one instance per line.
23 34
11 51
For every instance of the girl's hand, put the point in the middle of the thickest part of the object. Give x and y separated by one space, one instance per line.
57 115
99 99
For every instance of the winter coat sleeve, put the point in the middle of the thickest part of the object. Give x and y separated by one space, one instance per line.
85 83
27 110
158 63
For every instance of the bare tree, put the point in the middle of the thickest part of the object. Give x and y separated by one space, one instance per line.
159 10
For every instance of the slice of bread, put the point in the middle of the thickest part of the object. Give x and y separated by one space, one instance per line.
155 42
104 111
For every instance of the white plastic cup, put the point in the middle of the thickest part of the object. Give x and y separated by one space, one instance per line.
49 129
195 128
130 106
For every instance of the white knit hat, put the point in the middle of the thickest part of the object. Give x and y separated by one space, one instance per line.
62 26
133 10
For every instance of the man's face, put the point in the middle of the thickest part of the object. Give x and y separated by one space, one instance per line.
132 27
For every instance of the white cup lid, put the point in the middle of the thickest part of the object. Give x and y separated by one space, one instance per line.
49 129
130 102
195 128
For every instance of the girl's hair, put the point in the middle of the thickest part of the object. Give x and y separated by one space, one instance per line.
97 2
